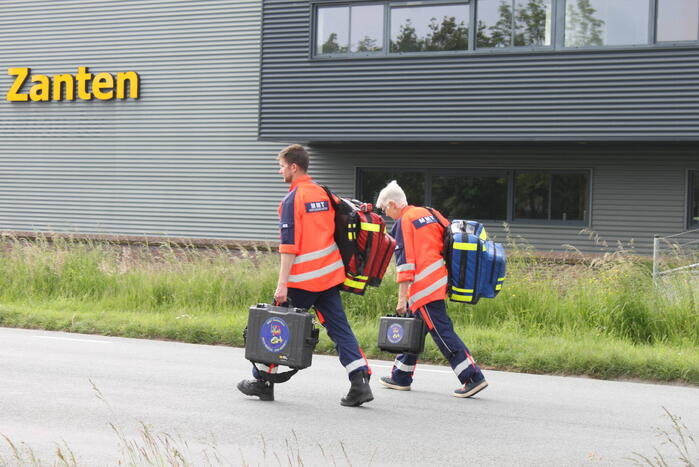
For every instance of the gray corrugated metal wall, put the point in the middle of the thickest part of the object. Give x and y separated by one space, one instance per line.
638 190
567 95
182 161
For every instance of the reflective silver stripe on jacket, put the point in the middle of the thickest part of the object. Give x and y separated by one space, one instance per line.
403 367
315 254
425 292
306 276
429 269
406 267
462 366
350 367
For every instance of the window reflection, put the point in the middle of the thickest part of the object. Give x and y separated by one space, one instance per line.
531 195
677 20
373 181
470 197
606 22
551 196
507 23
333 30
429 28
462 194
532 23
568 197
367 28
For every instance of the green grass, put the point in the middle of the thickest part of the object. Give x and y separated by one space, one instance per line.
605 318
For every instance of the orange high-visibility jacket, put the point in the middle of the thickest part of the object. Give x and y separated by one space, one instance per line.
419 241
307 226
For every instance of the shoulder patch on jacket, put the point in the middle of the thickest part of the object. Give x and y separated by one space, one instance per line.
423 221
317 206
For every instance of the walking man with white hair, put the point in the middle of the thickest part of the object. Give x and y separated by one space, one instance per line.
422 279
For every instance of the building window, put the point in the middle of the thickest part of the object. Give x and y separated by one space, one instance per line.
675 21
349 29
550 196
513 23
429 28
372 181
694 198
392 27
542 196
591 23
476 196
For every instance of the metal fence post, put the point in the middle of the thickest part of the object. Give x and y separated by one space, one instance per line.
655 257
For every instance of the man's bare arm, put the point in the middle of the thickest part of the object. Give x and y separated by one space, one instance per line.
287 260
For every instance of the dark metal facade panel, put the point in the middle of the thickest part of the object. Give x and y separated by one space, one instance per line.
637 94
638 189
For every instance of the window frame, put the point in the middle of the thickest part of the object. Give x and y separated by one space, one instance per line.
691 202
509 175
397 4
515 48
557 33
651 43
349 54
585 222
656 42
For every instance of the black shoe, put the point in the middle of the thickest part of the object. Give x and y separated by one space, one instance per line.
470 389
359 392
391 383
256 387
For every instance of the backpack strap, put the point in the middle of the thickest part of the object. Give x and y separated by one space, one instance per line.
331 196
351 232
446 247
436 217
365 218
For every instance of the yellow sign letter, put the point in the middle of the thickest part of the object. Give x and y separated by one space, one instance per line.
13 95
41 91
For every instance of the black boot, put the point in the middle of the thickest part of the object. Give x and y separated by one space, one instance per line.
359 392
256 387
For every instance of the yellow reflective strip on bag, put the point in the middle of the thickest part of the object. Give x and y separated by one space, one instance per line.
483 235
354 284
498 287
500 279
369 227
456 289
465 246
461 298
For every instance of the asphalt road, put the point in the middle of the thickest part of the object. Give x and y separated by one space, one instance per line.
59 389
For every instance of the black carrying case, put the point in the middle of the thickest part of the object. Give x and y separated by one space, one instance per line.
400 334
280 335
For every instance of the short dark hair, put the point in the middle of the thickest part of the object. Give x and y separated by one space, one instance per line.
295 154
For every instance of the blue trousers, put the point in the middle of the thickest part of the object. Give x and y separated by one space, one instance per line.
331 314
440 327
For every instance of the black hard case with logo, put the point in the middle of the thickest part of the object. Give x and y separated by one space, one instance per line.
413 339
302 336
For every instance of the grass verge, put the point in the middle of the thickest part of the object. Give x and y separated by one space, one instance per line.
605 318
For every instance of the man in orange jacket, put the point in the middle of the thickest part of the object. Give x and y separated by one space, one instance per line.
422 290
311 271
